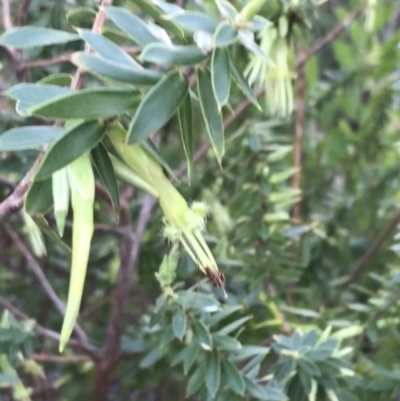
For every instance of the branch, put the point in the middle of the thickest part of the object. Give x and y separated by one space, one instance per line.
376 245
6 15
47 62
23 12
129 254
41 277
45 332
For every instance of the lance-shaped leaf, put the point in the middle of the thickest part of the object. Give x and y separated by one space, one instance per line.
39 198
193 21
186 126
247 40
82 17
76 141
29 137
26 37
105 168
115 71
59 79
196 380
107 49
158 106
134 26
244 86
179 322
221 76
202 335
213 373
226 9
167 55
233 377
82 184
211 115
225 35
154 12
88 103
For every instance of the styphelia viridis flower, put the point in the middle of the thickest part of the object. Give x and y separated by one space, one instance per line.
182 223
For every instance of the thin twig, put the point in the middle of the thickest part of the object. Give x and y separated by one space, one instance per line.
23 12
6 15
357 269
59 359
45 332
41 277
129 254
47 62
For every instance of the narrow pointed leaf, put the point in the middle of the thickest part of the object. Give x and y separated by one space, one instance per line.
226 343
221 76
193 21
51 234
88 103
244 85
59 79
255 390
134 26
36 93
39 199
226 9
225 35
115 71
26 37
107 49
211 115
195 382
234 325
158 106
186 126
154 12
190 356
29 137
247 40
76 141
202 335
179 323
233 377
82 17
213 374
167 55
153 152
105 168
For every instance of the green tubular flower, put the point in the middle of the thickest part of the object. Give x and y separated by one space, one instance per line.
60 186
182 223
34 235
82 186
276 77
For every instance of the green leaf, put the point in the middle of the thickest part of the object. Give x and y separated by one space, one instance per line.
88 103
105 168
195 300
225 35
186 127
193 21
47 230
202 335
82 17
226 343
255 390
29 137
234 325
59 79
158 106
167 55
309 366
233 377
39 198
134 26
153 357
227 311
244 85
107 49
153 152
115 71
247 40
36 93
226 9
211 116
190 356
179 322
76 141
195 381
26 37
221 76
154 12
213 373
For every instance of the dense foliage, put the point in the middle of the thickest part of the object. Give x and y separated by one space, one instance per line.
283 117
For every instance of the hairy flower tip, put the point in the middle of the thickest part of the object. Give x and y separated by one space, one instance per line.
200 208
171 233
194 222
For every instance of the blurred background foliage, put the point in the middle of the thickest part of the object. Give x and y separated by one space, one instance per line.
304 319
